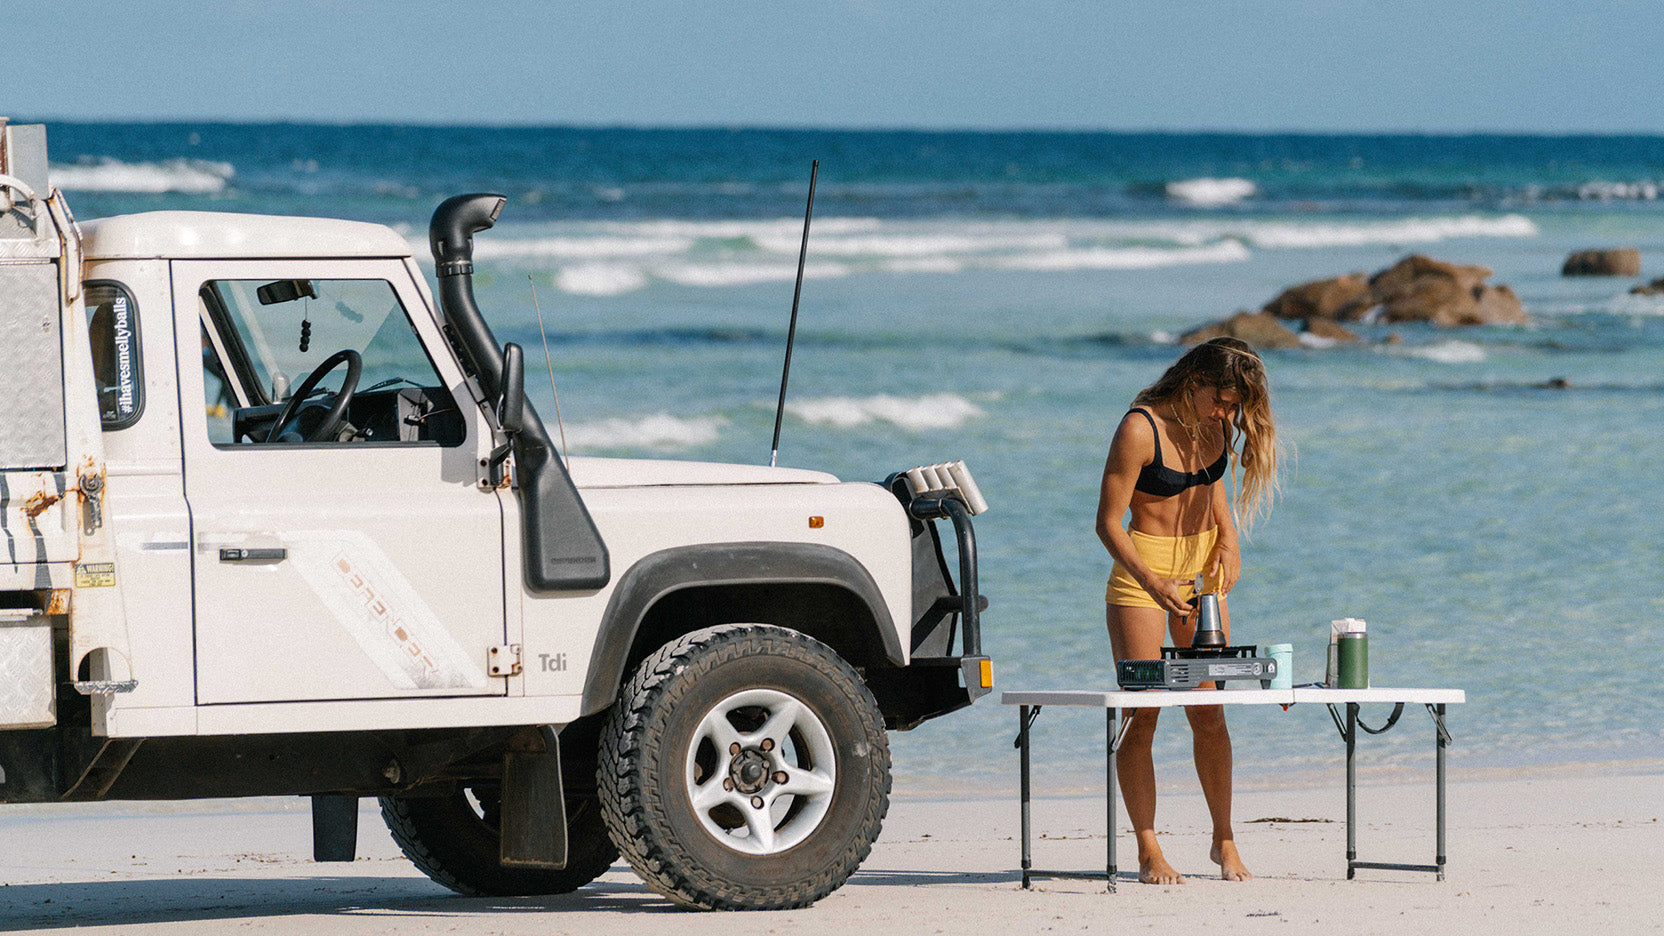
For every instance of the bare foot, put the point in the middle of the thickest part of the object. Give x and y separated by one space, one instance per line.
1156 870
1230 863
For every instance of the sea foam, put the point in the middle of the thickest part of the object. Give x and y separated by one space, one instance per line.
1444 352
1211 193
582 247
599 279
192 176
1127 258
923 243
1619 191
935 411
661 431
745 274
611 258
1628 304
1273 235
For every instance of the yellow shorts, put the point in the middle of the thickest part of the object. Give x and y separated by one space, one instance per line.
1172 557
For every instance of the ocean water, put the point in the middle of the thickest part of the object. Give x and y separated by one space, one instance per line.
999 298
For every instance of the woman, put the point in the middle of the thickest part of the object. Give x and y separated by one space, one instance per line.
1166 467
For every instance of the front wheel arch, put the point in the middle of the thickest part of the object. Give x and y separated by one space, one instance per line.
822 592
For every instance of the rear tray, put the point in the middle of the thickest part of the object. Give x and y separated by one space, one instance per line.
27 689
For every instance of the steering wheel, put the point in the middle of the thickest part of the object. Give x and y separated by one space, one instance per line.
332 419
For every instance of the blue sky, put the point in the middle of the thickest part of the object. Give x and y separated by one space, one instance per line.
1410 65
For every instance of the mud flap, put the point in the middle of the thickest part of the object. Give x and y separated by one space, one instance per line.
334 827
532 827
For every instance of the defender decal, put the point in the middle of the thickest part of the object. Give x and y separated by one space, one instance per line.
377 605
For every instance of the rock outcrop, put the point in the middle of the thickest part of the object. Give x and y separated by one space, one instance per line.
1417 288
1259 329
1343 298
1654 288
1331 331
1421 289
1619 261
1499 305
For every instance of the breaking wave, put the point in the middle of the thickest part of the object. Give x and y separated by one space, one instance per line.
611 258
745 274
1443 352
1273 235
1211 193
1646 190
935 411
191 176
1128 258
599 279
565 248
661 431
1632 305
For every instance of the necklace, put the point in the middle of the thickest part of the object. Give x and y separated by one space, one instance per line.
1188 428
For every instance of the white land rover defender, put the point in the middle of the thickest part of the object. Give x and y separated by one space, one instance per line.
274 522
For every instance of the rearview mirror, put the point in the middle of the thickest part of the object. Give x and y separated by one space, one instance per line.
286 291
511 406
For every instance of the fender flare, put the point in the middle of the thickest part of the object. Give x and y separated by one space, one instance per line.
662 573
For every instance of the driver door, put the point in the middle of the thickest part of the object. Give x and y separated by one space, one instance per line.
353 561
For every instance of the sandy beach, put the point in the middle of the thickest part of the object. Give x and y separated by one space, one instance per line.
1544 851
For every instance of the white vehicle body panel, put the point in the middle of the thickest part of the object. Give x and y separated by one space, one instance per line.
185 235
589 473
277 647
146 495
375 599
862 520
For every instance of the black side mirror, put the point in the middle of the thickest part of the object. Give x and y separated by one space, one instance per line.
511 406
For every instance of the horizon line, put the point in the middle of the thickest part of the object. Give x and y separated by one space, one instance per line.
826 128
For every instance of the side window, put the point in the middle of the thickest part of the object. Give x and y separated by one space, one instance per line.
319 361
117 366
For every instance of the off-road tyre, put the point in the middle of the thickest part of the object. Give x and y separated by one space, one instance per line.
457 845
649 775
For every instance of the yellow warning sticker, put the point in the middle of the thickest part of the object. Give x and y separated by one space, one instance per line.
95 575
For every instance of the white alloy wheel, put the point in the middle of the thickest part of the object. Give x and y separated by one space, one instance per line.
760 772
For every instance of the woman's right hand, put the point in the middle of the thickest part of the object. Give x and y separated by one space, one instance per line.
1166 593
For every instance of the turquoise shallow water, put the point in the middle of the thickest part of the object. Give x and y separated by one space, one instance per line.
1498 536
1000 297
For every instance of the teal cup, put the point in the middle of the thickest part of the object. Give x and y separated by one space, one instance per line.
1284 655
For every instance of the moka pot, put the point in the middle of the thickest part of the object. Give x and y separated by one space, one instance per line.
1210 632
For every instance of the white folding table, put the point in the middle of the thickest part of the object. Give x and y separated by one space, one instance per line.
1112 702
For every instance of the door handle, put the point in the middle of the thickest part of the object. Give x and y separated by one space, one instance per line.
271 554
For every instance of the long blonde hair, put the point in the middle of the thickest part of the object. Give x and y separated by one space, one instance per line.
1230 364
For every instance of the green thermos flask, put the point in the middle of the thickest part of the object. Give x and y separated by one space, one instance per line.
1352 660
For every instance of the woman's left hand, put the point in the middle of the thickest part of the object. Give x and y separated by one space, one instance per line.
1226 565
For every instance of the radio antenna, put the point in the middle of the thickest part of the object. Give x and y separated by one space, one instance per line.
566 454
791 331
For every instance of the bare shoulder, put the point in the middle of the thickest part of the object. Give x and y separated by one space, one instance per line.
1135 440
1134 427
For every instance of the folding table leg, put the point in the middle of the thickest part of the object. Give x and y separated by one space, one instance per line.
1022 749
1112 719
1351 789
1441 740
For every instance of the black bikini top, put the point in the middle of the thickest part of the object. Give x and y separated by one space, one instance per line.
1157 480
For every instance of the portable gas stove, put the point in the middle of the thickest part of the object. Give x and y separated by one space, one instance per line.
1189 667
